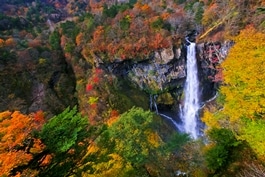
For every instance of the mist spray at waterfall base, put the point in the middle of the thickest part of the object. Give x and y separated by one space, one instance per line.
189 111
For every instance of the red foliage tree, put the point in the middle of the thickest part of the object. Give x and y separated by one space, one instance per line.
89 87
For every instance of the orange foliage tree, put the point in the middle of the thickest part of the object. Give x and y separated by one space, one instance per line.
10 42
2 42
34 43
79 38
133 33
17 144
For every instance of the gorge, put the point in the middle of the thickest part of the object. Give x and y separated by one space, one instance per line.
131 88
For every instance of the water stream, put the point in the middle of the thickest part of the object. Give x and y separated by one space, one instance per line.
189 111
50 25
153 105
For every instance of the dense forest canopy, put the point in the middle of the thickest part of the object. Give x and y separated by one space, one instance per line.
81 81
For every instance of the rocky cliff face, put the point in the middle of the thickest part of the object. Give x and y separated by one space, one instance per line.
210 55
161 71
164 72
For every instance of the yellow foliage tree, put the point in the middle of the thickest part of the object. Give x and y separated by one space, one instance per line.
244 77
243 89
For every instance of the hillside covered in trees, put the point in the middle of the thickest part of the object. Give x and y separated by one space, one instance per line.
84 85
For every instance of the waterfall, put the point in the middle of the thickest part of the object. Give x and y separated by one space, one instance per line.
153 105
191 105
50 25
176 125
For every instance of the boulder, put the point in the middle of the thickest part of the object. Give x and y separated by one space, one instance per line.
164 56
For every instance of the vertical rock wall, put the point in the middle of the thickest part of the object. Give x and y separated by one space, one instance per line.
210 56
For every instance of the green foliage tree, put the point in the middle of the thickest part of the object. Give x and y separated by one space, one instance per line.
253 132
64 131
223 149
110 12
90 23
134 139
70 29
113 10
176 141
179 1
7 56
69 47
54 40
66 137
130 136
125 23
157 24
217 158
199 13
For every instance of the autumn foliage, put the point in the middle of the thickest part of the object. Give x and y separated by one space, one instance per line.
134 33
79 38
244 76
94 80
18 145
243 90
10 42
2 42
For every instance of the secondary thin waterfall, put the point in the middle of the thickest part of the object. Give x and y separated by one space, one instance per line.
191 106
50 25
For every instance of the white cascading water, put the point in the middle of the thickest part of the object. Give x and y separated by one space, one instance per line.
191 101
50 25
